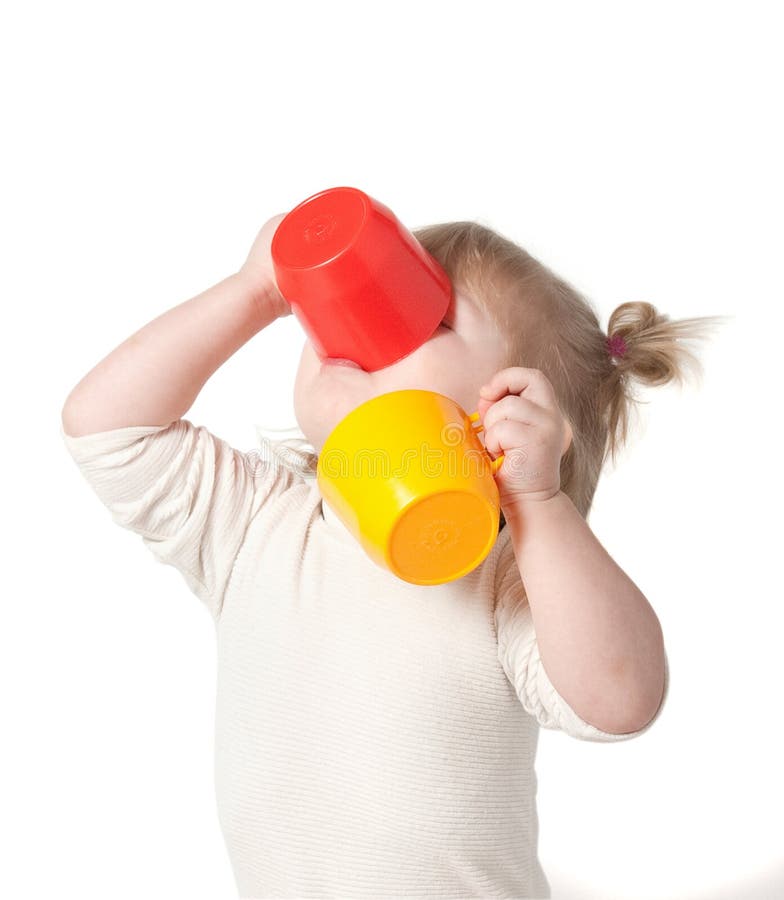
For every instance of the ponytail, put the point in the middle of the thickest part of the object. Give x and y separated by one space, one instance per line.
651 349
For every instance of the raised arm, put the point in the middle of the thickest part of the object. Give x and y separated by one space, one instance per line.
155 375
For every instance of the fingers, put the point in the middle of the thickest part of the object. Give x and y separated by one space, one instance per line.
507 434
519 408
273 222
526 397
533 383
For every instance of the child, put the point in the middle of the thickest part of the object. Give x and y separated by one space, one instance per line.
376 738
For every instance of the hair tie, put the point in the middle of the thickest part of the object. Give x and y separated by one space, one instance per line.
616 346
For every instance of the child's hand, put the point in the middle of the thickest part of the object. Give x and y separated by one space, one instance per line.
259 271
522 420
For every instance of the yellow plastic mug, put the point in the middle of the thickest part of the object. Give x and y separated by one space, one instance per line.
408 476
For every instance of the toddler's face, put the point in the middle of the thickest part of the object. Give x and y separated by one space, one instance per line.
463 353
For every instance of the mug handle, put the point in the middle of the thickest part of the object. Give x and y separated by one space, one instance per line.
495 464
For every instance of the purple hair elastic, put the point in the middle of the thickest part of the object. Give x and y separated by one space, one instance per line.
616 346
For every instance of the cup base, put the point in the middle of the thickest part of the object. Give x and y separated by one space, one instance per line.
441 537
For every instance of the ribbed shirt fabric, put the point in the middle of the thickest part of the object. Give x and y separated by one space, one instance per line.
373 738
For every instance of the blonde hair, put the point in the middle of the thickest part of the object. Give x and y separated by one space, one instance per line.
548 325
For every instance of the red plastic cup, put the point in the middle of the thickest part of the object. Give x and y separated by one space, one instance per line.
360 284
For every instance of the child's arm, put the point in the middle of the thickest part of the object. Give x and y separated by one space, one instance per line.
596 635
188 494
155 375
599 639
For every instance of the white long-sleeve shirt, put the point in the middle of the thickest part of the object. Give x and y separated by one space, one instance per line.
373 738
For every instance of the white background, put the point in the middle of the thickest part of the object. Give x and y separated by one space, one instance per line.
634 148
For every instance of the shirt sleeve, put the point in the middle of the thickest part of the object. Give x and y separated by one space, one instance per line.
518 653
189 494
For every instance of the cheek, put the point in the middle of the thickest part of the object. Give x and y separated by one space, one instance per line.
309 362
442 349
305 369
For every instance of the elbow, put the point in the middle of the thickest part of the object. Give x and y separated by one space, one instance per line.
633 721
630 694
627 716
651 699
638 699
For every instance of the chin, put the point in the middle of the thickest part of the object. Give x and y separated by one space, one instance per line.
319 407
